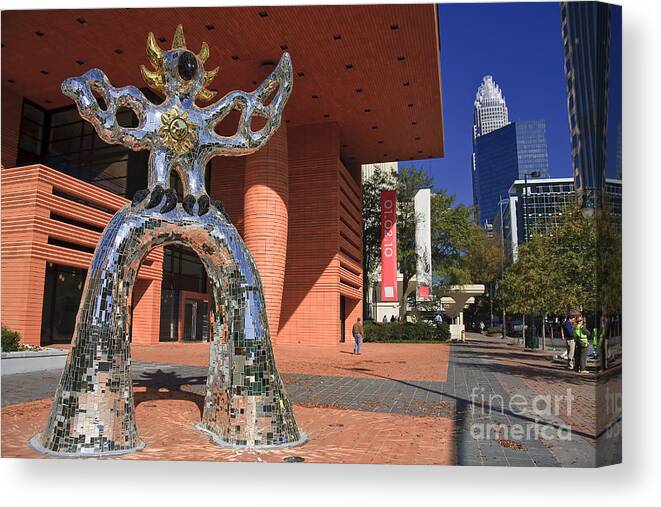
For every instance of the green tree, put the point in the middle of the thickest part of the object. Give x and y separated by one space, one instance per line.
557 271
451 228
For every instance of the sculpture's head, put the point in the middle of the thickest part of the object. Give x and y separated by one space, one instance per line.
178 71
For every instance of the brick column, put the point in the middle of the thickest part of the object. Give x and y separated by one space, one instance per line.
265 218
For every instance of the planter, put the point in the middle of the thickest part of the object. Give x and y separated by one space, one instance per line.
26 361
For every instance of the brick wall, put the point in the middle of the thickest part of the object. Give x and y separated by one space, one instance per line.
324 231
265 217
28 199
310 306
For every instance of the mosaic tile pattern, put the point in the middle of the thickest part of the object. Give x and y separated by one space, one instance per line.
245 403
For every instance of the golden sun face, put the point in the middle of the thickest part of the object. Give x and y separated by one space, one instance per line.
177 131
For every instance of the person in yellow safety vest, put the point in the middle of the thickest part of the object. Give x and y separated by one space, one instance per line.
581 336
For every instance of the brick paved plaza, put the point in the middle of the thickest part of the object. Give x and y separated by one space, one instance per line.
483 402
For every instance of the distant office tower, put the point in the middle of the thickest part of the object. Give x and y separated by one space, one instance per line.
536 207
505 155
586 39
489 113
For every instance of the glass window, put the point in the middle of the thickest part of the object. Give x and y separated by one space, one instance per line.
33 120
63 288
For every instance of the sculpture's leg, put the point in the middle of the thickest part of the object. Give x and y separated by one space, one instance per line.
246 404
93 412
195 190
159 185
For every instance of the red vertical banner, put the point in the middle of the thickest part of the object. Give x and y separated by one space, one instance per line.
389 246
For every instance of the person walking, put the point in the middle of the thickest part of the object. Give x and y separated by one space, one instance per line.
570 340
358 332
581 336
385 319
393 319
482 326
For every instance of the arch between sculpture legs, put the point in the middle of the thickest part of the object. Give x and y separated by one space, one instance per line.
245 405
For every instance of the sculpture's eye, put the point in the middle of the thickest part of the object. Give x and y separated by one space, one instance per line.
187 66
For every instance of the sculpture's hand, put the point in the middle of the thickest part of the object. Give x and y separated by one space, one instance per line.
80 89
245 140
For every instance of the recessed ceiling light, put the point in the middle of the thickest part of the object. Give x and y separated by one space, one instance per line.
417 138
374 127
394 26
410 105
406 83
401 58
119 51
300 74
80 62
337 36
359 90
379 141
368 110
263 14
419 151
349 65
284 47
210 27
44 72
327 115
81 20
315 96
235 57
162 39
414 123
39 33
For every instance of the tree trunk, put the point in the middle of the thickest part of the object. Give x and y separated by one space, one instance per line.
544 332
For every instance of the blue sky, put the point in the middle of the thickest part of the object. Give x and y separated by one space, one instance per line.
520 45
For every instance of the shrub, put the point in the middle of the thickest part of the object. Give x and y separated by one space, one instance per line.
495 331
10 340
396 332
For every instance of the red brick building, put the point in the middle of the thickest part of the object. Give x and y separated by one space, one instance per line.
367 88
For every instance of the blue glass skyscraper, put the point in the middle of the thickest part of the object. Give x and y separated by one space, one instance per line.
504 155
586 33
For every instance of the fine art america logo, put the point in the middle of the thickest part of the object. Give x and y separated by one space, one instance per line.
536 418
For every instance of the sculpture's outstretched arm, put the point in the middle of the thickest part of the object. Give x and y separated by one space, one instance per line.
80 89
245 140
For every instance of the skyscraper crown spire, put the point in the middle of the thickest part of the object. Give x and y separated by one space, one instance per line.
490 108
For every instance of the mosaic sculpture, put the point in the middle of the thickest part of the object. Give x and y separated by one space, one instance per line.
245 405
